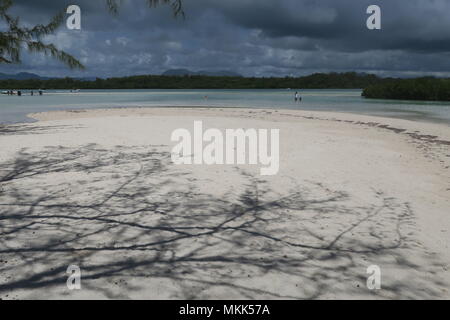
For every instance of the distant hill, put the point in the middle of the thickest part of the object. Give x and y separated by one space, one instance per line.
22 76
86 79
32 76
186 72
171 72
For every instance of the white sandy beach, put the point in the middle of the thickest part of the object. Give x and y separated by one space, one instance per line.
98 189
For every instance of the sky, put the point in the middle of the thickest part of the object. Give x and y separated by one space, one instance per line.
251 37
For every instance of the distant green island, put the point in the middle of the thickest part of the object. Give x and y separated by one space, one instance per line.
427 89
374 87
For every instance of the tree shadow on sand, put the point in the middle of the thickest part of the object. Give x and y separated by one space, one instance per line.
135 223
29 128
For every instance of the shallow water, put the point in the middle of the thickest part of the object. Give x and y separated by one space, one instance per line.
14 109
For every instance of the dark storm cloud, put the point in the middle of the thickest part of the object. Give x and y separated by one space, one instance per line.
253 37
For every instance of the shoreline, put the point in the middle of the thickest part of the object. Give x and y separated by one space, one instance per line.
353 191
433 132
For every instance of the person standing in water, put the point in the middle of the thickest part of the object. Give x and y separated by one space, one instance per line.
298 98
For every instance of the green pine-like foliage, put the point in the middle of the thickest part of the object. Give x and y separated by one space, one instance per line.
16 37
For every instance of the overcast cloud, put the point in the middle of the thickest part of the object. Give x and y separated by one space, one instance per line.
252 37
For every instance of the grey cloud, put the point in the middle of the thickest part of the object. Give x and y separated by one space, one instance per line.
253 37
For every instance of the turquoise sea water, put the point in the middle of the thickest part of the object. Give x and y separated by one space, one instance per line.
14 109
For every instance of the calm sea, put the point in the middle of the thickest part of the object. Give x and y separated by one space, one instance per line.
14 109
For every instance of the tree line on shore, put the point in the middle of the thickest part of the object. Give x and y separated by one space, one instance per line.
316 81
426 88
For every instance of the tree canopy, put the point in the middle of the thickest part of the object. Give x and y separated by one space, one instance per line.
426 89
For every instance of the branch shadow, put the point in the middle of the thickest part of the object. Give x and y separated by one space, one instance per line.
132 221
27 129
